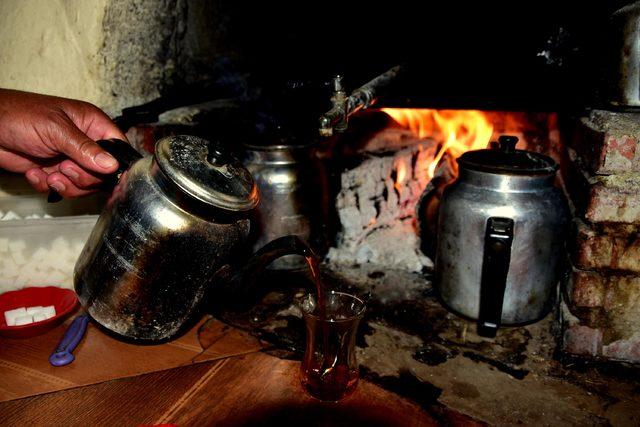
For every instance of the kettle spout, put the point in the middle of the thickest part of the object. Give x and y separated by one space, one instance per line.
243 280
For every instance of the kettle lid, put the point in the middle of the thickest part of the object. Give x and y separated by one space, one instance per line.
508 160
205 172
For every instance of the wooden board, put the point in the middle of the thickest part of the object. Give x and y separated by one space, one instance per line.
254 389
25 368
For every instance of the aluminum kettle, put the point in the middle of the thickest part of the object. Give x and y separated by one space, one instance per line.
295 197
172 221
622 57
501 232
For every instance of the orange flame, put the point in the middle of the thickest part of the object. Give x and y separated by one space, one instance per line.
401 175
459 130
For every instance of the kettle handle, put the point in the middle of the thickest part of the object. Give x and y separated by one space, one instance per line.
123 152
495 266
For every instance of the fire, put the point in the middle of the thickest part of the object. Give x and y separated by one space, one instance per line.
401 175
459 130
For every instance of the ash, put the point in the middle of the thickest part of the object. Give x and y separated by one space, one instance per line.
376 207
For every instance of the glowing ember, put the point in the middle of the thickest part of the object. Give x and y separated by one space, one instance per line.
459 130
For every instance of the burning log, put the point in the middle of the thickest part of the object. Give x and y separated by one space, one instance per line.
376 207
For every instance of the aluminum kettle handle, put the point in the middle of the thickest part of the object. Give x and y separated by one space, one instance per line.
123 152
495 267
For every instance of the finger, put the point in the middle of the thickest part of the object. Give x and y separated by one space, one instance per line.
103 128
85 152
14 162
65 187
80 177
38 179
93 121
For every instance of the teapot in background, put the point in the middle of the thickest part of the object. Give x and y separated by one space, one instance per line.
500 237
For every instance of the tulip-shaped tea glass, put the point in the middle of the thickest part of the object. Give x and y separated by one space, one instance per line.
329 369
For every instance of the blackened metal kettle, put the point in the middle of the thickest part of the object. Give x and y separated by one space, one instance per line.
501 231
172 221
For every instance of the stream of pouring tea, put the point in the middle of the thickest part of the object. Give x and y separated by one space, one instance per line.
320 291
321 304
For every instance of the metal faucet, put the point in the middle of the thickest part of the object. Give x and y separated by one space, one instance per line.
336 119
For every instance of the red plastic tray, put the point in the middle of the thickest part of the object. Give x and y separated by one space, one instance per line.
64 300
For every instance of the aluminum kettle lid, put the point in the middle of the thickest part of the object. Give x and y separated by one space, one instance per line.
508 160
205 172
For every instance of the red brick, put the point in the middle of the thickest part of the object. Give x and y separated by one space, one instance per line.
608 142
601 198
626 350
599 251
611 330
588 289
615 198
583 340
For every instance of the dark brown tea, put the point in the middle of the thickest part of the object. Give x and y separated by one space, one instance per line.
332 385
329 369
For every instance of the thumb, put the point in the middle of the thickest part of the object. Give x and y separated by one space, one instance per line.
83 150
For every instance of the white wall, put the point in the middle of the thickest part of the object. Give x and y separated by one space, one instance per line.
53 47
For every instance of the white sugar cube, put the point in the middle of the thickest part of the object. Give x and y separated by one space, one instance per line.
19 257
59 245
31 266
17 245
51 261
34 310
9 267
39 254
6 283
38 278
49 311
24 320
10 215
39 317
23 279
67 265
10 316
77 248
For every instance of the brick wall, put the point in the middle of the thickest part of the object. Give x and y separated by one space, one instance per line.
601 173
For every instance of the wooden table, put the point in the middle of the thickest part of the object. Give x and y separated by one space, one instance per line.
244 389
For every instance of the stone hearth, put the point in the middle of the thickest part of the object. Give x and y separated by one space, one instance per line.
408 343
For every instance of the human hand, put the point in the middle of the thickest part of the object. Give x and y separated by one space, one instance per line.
51 141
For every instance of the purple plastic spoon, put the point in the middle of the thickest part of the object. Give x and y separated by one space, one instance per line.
73 335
